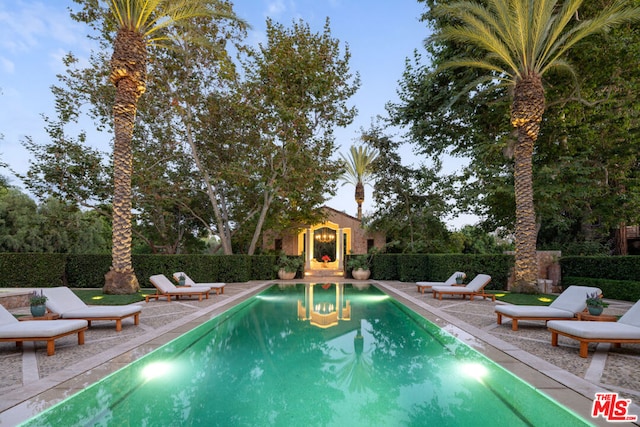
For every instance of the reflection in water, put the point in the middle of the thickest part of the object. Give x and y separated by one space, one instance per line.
259 364
325 307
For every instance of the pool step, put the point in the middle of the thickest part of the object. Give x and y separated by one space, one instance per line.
324 272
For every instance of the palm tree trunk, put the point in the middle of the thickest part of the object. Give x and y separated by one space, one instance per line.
526 115
128 76
359 195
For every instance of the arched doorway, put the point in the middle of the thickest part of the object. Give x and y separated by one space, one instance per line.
325 245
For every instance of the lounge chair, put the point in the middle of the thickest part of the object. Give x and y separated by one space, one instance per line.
422 286
474 288
565 307
39 330
625 330
164 288
217 287
63 301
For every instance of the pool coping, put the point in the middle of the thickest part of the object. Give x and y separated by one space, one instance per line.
566 388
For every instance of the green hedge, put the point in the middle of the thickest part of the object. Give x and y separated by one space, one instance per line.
412 268
385 267
602 267
262 267
37 270
200 268
429 267
625 290
87 271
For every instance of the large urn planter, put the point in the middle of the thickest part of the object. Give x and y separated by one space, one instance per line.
360 274
286 275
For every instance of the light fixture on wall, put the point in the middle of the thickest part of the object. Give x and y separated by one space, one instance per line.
325 235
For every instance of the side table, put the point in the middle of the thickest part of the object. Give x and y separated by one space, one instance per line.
600 318
47 316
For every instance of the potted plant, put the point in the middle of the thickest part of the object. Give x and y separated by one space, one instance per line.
459 279
287 267
182 280
37 304
595 304
359 265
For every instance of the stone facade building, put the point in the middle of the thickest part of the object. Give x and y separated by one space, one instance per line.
341 234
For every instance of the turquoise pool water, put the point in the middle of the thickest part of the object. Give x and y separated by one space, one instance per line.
312 355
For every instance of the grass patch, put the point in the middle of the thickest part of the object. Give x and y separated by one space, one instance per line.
524 299
96 297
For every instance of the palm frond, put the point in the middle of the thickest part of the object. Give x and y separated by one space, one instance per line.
358 164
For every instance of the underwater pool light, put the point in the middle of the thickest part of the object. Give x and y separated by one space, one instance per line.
155 370
474 370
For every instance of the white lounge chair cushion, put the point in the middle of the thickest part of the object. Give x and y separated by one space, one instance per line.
189 282
632 316
40 328
533 311
450 281
164 285
189 290
7 318
596 330
456 289
63 301
102 311
478 282
574 298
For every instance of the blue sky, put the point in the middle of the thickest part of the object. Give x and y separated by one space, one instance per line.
35 35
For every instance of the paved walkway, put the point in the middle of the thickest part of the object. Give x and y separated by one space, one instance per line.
31 381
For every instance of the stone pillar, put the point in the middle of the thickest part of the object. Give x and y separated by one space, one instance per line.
309 253
339 247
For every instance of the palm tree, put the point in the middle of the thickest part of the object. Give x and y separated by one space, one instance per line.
139 23
358 170
522 40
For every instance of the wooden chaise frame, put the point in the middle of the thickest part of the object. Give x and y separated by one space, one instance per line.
514 319
584 342
118 319
51 347
158 295
481 293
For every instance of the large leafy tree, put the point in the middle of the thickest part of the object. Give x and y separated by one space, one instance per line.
358 170
52 226
516 42
137 24
297 88
409 202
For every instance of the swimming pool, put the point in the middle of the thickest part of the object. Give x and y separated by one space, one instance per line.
314 354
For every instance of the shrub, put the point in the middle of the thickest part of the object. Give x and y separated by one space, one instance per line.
624 290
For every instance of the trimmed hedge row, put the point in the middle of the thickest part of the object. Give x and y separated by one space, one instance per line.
625 290
617 276
18 270
87 271
436 268
24 270
602 267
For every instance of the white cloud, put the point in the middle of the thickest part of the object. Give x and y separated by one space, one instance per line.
7 65
275 8
25 26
